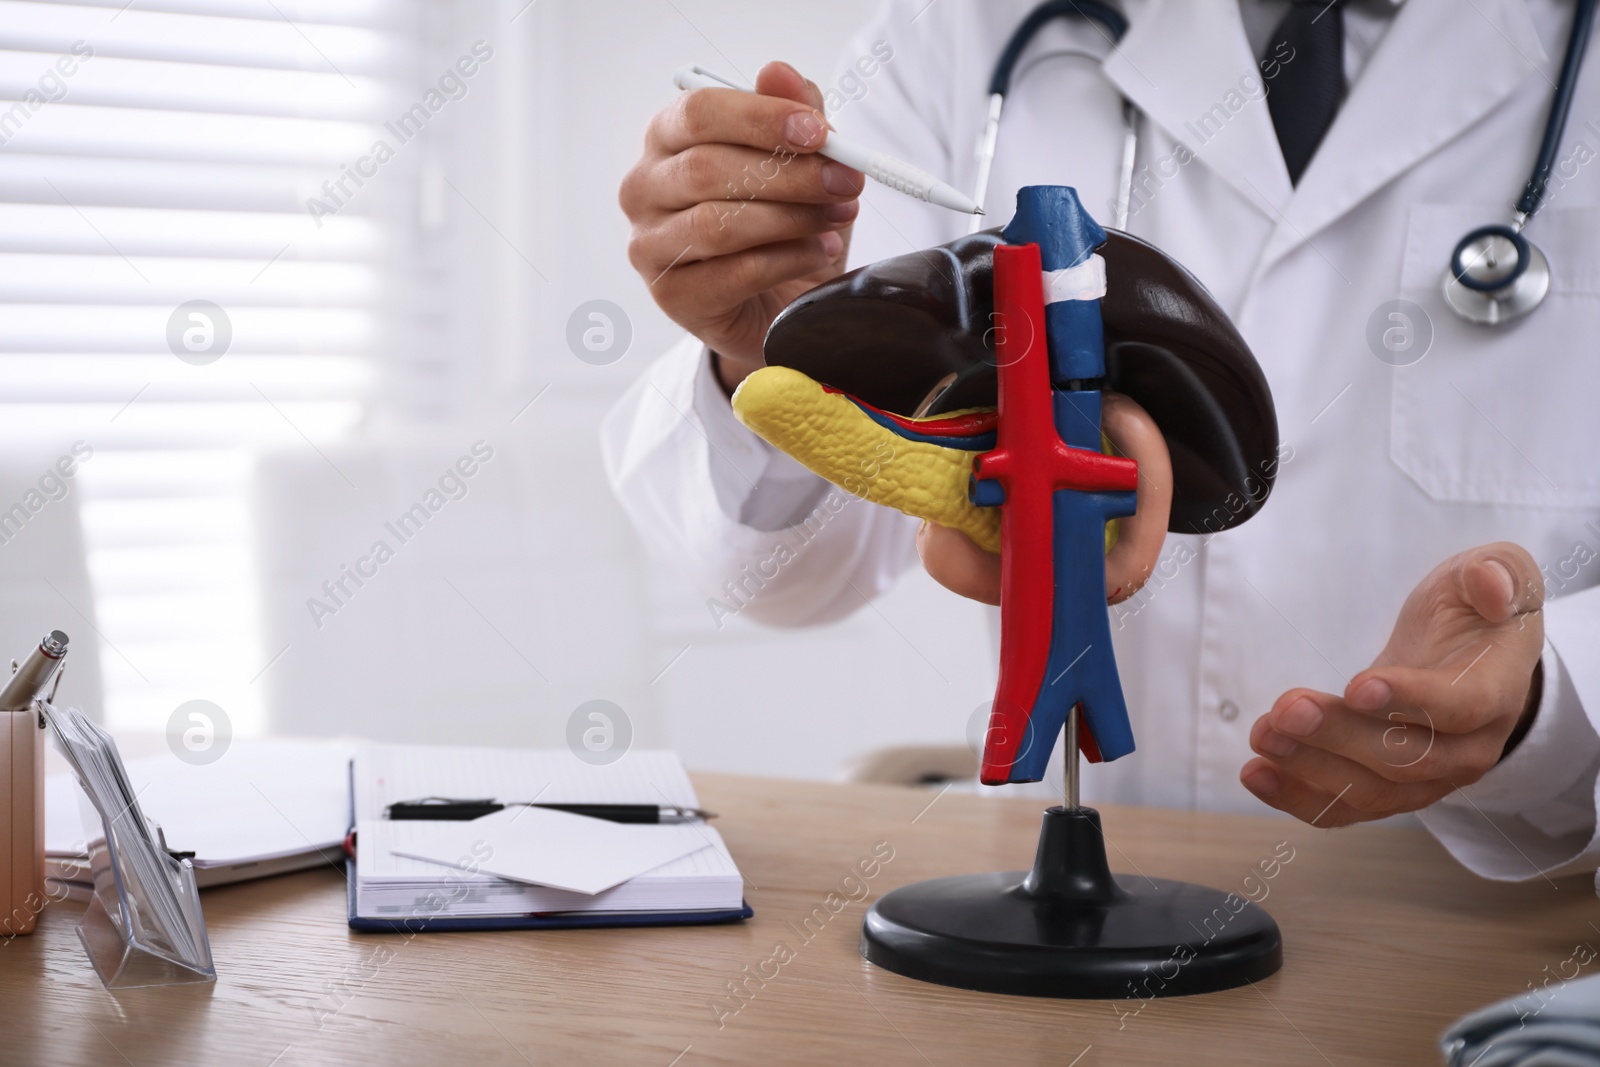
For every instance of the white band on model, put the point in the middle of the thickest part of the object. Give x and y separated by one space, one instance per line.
1086 281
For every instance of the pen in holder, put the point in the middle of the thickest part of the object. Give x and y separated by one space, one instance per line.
22 786
143 926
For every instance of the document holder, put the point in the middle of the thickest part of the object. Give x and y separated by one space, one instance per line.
143 926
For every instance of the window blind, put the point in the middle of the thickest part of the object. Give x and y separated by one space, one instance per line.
157 154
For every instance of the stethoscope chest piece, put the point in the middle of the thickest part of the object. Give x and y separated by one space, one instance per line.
1496 275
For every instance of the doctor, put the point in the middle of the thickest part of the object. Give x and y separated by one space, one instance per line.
1376 641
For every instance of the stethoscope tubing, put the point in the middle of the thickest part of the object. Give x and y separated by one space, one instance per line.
1560 107
1115 24
989 141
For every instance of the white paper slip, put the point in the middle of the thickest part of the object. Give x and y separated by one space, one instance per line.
548 848
399 887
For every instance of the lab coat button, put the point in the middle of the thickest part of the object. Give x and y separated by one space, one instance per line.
1228 710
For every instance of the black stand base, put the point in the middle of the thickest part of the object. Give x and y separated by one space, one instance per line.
1068 929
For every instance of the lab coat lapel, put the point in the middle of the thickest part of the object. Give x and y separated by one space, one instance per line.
1187 65
1441 67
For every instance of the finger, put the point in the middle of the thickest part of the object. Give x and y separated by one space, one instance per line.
739 175
1499 580
1354 785
1133 558
1481 689
730 280
717 228
732 116
780 79
1294 797
956 562
1394 749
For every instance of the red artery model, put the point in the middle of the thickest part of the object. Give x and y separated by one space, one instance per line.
1056 491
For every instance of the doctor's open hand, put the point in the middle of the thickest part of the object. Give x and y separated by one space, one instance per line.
734 214
1453 691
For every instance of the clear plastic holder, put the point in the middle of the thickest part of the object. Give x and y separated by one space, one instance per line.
143 926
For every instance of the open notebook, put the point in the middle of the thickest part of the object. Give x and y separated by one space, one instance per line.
391 891
267 807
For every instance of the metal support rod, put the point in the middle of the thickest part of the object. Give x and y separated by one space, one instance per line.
1070 758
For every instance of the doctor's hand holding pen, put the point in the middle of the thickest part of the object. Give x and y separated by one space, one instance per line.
734 214
1452 693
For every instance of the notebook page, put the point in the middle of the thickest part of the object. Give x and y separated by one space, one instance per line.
264 799
376 859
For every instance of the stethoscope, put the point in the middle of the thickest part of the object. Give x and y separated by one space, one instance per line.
1115 25
1495 274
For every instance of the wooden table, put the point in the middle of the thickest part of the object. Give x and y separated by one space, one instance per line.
1386 942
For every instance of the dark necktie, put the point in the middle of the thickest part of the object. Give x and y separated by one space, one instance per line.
1309 86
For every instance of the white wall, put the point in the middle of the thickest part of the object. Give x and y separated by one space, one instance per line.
540 547
44 583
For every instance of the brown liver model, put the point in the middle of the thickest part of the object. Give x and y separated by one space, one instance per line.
914 334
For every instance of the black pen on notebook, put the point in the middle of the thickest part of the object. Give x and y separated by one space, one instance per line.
451 809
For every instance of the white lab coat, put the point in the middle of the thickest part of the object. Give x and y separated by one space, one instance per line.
1386 470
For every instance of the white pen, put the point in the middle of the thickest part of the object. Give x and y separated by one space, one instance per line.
897 174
